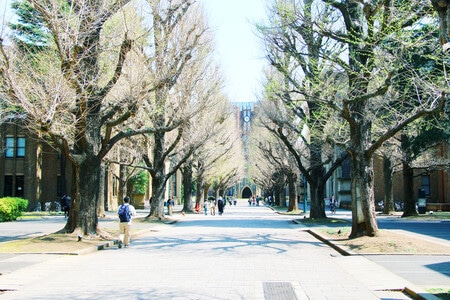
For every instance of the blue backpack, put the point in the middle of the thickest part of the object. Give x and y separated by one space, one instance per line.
124 213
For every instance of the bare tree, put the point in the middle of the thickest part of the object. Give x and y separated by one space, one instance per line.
373 35
177 32
270 156
72 93
222 152
295 50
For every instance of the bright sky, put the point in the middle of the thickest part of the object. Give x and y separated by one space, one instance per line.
238 49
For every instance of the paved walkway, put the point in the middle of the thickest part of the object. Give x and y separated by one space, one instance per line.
247 253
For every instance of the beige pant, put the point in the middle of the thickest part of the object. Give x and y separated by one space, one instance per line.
124 228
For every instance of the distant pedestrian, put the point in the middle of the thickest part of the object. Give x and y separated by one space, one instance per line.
205 207
220 205
126 212
212 207
65 205
170 204
333 205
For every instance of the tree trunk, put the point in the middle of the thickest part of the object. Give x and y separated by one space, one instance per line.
205 192
38 195
363 206
293 203
388 171
317 209
122 183
102 190
283 197
277 196
187 187
83 211
159 189
199 196
317 183
408 179
363 201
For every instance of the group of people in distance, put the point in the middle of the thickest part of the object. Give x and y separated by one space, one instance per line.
254 200
211 205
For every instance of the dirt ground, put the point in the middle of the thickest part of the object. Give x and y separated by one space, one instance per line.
388 242
71 243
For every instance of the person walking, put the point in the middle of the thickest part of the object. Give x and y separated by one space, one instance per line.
170 204
213 207
126 212
205 207
333 204
65 205
220 205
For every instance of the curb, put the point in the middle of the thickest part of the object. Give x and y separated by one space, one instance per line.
413 291
339 248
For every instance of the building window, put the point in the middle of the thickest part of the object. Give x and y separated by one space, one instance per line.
20 147
12 149
14 186
425 183
9 152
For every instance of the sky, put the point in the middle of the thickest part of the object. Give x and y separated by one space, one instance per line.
238 49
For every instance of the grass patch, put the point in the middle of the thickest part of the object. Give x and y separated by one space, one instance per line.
437 215
443 294
324 221
53 243
38 215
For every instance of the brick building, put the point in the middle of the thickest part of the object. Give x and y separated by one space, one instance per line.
435 182
30 168
33 170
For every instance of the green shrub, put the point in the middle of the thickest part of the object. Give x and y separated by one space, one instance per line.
12 208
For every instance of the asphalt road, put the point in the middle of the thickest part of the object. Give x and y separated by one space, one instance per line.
422 270
438 229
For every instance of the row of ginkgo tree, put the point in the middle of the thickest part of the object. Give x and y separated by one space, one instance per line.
131 75
351 76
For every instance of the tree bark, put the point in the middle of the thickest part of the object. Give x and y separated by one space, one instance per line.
293 203
363 207
388 171
363 200
83 211
408 179
199 196
187 187
159 189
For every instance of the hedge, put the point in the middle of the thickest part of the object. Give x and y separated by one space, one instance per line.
12 208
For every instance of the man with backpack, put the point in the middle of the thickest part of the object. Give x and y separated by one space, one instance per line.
125 212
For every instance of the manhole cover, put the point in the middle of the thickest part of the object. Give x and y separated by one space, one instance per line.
279 290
